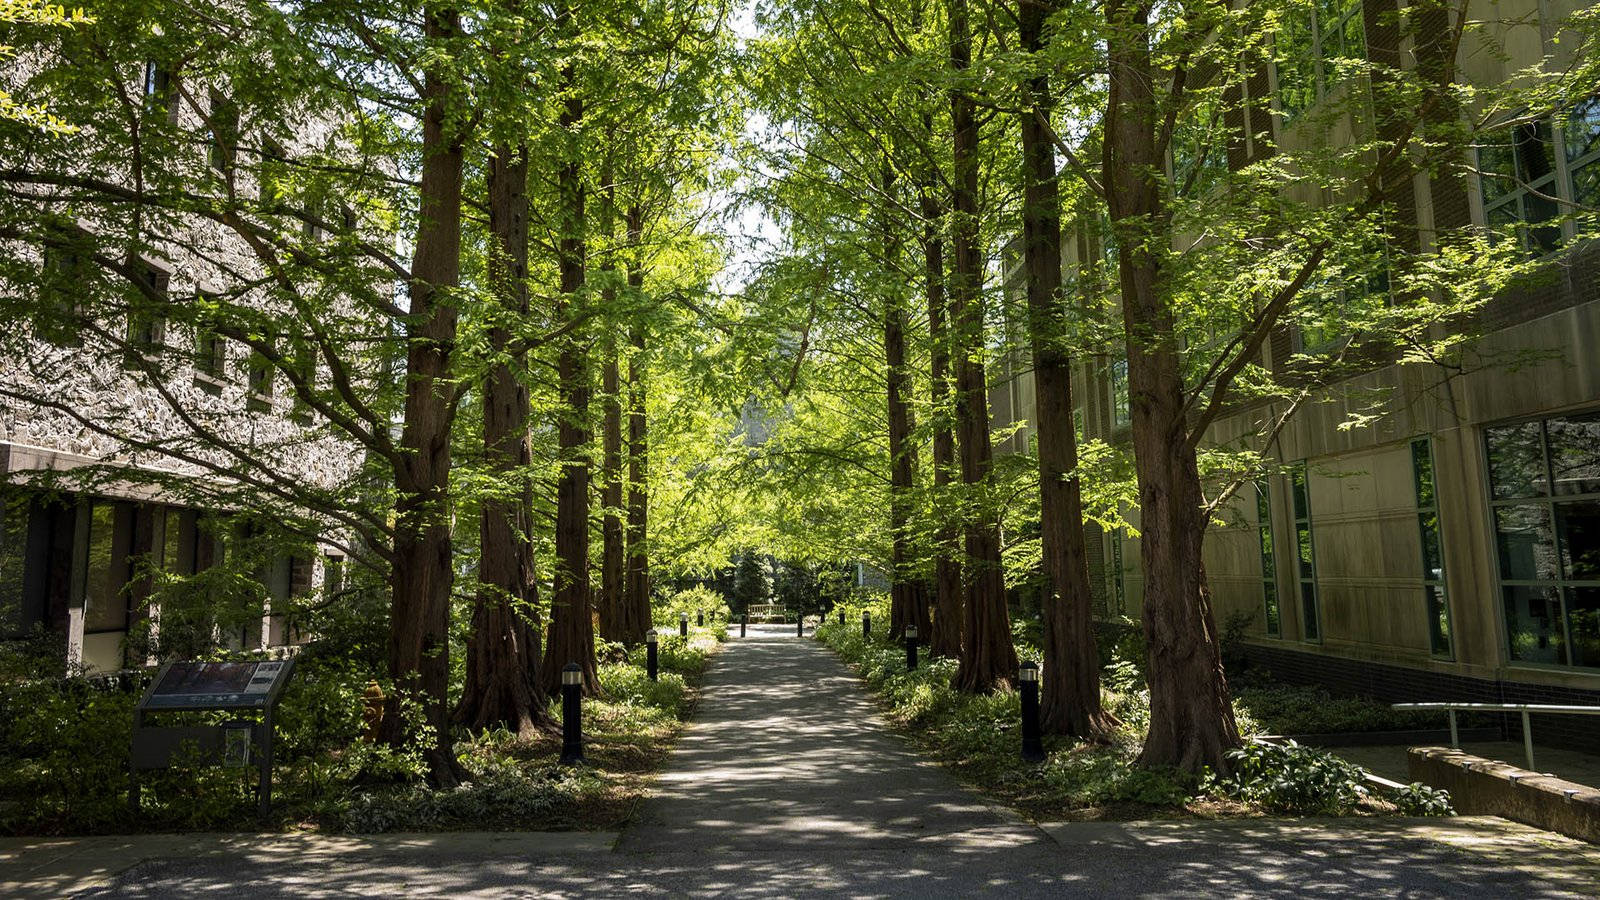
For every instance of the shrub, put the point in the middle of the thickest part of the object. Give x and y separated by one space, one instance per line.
664 612
1418 799
1290 779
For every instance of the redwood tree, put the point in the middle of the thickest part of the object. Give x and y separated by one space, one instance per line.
571 620
419 633
1070 681
988 659
636 599
1191 719
501 689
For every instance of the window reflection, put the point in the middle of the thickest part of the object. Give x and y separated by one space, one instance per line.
1549 542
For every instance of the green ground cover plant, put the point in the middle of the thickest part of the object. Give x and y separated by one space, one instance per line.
64 753
978 737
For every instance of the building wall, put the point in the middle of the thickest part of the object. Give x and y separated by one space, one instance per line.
1537 356
70 564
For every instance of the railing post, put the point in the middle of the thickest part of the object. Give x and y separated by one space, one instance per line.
1527 737
1455 738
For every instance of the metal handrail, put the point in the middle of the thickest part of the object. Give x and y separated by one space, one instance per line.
1524 708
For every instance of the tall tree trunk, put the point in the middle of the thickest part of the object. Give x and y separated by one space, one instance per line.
501 688
908 604
638 618
1191 720
988 658
571 617
944 638
613 602
419 610
1070 682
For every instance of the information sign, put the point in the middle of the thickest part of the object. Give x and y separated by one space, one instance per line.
216 685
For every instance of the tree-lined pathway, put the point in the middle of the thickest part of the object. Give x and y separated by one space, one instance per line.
789 784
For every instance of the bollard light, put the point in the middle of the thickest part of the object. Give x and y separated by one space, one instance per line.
683 624
911 648
700 618
866 624
800 625
743 624
841 617
651 656
1028 685
571 715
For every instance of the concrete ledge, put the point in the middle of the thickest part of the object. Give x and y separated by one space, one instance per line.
1481 786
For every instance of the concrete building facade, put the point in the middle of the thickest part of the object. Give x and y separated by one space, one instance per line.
1449 549
81 551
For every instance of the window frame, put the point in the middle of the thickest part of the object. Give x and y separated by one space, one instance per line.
1305 555
1557 129
1121 401
1322 82
1433 584
145 331
1267 547
1560 584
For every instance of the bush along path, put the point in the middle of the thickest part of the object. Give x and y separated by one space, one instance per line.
978 736
57 777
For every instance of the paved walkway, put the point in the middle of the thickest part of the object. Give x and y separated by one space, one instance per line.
788 784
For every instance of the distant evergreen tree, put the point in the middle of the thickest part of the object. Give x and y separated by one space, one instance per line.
794 585
749 582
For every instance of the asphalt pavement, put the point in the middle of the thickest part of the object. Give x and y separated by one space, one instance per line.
789 784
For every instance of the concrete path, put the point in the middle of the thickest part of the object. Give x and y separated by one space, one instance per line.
788 784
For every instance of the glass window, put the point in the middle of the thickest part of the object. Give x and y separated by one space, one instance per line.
1310 43
146 323
258 383
1548 543
64 279
1583 625
1516 460
1575 454
1305 555
1529 173
1120 412
105 606
1269 567
1433 591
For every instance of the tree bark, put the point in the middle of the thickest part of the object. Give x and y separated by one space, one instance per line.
419 611
571 617
908 603
1070 682
1191 719
613 603
988 659
637 619
944 637
501 690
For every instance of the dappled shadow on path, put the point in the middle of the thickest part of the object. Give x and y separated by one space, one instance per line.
788 784
786 753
